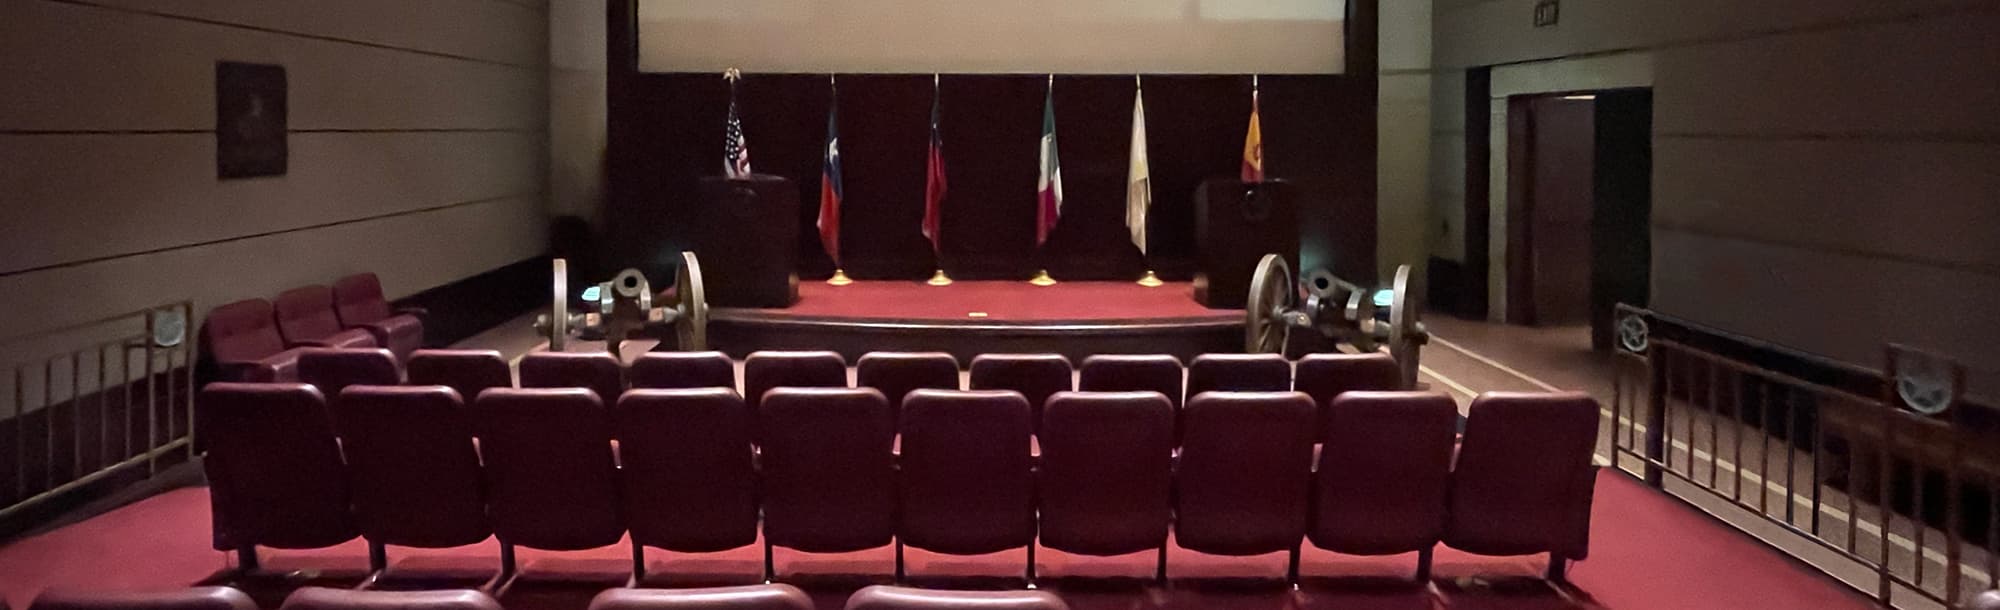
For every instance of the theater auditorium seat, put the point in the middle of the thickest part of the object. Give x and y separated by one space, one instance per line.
194 598
358 302
415 472
1989 600
671 370
331 369
243 341
551 483
274 471
466 371
1245 473
1238 373
1107 473
1132 373
1524 478
1383 473
1325 376
771 369
599 372
305 317
884 597
321 598
1035 376
688 481
751 597
829 480
966 475
897 373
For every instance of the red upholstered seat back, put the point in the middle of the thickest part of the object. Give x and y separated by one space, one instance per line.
752 597
357 299
897 373
672 370
321 598
331 369
1238 373
829 478
967 473
1383 472
1132 373
243 331
550 479
306 314
1107 472
468 372
1325 376
193 598
771 369
883 597
274 470
415 472
598 372
689 484
1246 469
1524 478
1035 376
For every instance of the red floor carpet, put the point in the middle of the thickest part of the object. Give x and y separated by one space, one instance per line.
1647 551
1007 301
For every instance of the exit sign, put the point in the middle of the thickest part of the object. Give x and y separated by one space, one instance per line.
1547 12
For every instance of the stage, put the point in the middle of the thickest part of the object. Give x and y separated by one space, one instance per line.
966 319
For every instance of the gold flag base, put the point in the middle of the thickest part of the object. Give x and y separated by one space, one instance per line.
1042 279
1151 281
839 278
940 279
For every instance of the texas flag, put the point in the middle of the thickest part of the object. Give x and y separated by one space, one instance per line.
934 182
829 187
1049 183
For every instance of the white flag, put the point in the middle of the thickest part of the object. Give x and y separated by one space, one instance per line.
1139 179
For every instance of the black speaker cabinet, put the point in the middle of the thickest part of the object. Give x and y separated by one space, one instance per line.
746 235
1236 224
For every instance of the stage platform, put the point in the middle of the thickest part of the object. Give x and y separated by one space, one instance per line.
966 319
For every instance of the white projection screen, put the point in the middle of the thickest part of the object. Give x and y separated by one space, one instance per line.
993 36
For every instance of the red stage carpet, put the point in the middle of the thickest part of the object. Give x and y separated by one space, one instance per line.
1002 301
1647 551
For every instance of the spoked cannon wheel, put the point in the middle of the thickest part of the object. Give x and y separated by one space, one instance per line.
691 303
1272 294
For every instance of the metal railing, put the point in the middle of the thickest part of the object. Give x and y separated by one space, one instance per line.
1893 479
93 401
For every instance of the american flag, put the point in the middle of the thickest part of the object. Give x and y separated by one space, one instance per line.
735 150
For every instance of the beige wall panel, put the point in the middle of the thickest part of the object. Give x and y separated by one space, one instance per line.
89 196
1405 35
1919 201
482 29
1448 101
577 115
1403 143
1447 196
577 35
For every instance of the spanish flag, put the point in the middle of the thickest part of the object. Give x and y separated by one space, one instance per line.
1253 145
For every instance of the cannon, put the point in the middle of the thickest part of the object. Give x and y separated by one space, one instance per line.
1366 319
624 306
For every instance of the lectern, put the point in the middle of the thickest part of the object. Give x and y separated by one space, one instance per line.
746 233
1236 224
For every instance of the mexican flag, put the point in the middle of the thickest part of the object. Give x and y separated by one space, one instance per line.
1049 183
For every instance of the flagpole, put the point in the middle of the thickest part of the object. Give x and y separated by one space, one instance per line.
1042 275
938 277
1139 91
839 273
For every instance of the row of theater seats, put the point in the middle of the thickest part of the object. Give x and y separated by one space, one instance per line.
837 469
260 340
756 597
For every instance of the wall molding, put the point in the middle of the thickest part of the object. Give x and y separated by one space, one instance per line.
321 37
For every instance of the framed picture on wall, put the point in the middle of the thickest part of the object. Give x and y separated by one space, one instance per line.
250 125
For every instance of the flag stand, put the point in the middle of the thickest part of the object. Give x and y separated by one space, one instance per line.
1042 279
940 279
839 278
1151 281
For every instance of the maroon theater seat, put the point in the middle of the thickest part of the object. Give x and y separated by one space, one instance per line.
828 471
1245 473
275 476
1132 373
1238 373
305 317
413 468
321 598
358 302
897 373
1325 376
1989 600
1524 478
599 372
242 339
751 597
765 370
673 370
1035 376
689 484
467 371
1382 476
332 369
1107 472
967 476
883 597
551 482
195 598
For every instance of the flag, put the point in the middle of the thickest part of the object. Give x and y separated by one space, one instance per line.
1139 176
1048 183
735 149
1253 145
830 187
934 183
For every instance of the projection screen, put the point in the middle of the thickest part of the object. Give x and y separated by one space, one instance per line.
993 36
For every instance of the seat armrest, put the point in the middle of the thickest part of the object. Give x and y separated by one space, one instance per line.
419 312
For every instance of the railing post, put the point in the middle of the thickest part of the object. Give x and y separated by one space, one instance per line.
1656 416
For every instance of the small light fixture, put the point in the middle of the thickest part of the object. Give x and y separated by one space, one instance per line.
975 314
1582 97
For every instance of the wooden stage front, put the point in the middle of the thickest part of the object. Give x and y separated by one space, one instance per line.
966 319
